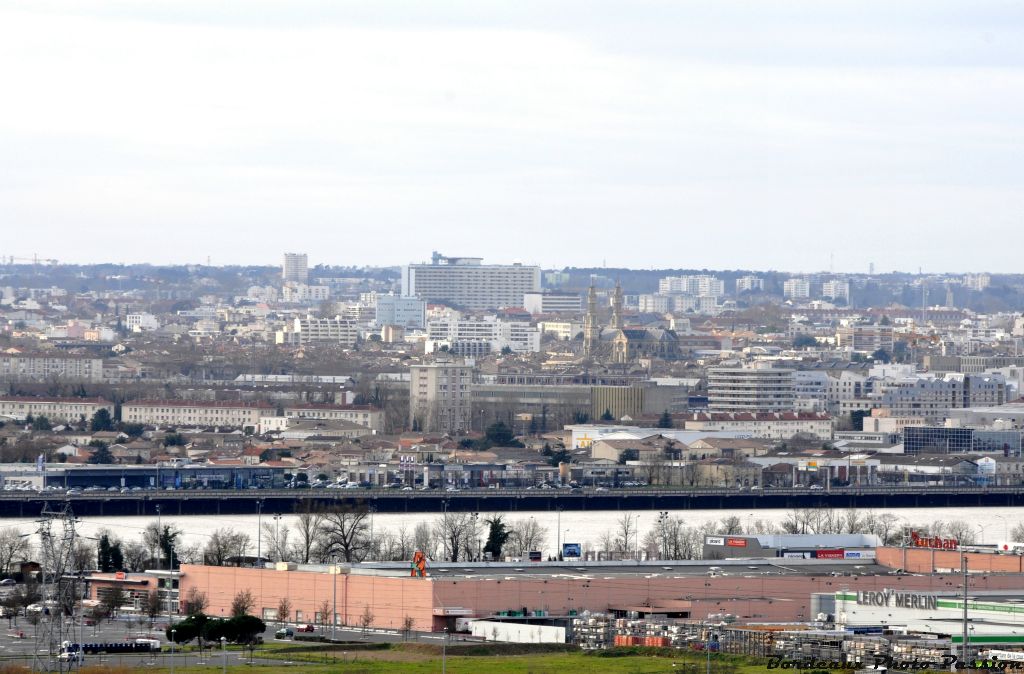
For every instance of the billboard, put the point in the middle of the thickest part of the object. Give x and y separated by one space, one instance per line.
736 542
830 554
714 540
535 556
572 550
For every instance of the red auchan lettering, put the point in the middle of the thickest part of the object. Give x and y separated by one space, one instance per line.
736 542
934 542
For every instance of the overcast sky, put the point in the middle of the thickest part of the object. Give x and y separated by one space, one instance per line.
720 134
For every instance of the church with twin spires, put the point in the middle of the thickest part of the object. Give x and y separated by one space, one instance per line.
620 344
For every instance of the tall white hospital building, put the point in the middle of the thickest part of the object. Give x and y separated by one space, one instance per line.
467 284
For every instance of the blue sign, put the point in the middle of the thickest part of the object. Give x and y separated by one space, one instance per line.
572 550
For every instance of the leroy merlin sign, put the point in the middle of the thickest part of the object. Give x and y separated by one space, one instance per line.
890 598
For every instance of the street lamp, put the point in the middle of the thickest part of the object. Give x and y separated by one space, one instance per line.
224 650
476 535
277 539
173 632
444 652
558 528
982 527
1006 527
159 536
662 521
259 531
334 608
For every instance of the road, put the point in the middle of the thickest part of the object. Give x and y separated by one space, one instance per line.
224 502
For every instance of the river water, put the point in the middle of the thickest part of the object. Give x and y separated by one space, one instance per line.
991 524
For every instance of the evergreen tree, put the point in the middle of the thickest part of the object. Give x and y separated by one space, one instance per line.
101 452
665 421
607 416
497 535
101 421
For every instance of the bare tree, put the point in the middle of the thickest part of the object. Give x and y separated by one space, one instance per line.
325 612
346 533
423 539
276 536
195 602
309 533
730 526
13 547
152 607
455 531
284 609
526 535
243 603
83 556
136 556
366 619
626 533
407 624
225 545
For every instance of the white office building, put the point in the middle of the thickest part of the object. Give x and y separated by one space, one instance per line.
407 312
480 336
553 303
141 322
466 283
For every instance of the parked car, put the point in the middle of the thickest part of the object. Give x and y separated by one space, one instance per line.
308 627
8 581
284 633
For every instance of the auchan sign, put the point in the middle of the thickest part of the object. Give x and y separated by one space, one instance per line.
933 542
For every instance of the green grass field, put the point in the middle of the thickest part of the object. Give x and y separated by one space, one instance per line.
419 659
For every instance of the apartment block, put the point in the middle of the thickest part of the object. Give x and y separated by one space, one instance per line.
732 389
865 338
749 284
692 285
57 410
796 289
300 293
777 426
364 415
654 304
836 290
195 413
295 268
26 368
466 283
440 397
341 331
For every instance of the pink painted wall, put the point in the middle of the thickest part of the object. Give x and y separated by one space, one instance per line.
390 599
